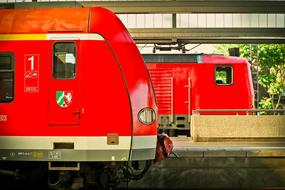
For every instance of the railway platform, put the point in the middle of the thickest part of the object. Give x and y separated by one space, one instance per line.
219 165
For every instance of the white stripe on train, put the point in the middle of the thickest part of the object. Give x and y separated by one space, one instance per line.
80 143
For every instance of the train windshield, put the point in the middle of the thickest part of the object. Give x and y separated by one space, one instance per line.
224 75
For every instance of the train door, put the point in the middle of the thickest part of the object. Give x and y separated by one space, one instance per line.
64 97
103 91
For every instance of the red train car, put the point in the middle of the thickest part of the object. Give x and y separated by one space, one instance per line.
187 82
74 90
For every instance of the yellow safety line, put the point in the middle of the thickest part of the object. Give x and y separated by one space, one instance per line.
22 37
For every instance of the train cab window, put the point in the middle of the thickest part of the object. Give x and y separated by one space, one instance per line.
64 60
6 77
224 75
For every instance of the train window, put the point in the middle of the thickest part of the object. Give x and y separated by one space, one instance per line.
6 77
224 75
64 60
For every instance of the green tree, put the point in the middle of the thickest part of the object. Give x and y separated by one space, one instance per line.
271 61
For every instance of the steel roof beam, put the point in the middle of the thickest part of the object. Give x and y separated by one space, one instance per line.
178 6
208 35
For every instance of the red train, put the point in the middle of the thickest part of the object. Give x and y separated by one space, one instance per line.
74 93
187 82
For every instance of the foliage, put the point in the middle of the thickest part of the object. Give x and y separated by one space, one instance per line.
265 103
271 61
271 68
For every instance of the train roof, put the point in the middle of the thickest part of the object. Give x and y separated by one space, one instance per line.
46 20
192 58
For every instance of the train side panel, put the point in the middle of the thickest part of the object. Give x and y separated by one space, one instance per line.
193 82
88 112
23 113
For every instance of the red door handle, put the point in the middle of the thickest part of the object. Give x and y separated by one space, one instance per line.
77 113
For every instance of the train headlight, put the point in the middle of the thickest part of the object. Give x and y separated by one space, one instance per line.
147 116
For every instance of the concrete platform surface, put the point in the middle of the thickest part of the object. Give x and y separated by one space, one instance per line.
218 165
186 147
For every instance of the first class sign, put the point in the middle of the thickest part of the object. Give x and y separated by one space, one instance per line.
31 80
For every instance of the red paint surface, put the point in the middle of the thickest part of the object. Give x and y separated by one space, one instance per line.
111 84
44 20
204 93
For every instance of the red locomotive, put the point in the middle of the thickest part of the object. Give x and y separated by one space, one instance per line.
74 92
187 82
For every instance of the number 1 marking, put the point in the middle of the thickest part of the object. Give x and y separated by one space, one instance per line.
32 62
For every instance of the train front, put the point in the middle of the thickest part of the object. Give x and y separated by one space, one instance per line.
137 80
96 111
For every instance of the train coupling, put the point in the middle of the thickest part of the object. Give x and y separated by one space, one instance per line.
164 147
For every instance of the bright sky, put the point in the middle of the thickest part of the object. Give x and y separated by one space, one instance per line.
203 48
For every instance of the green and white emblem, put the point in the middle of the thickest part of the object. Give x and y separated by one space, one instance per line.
63 98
